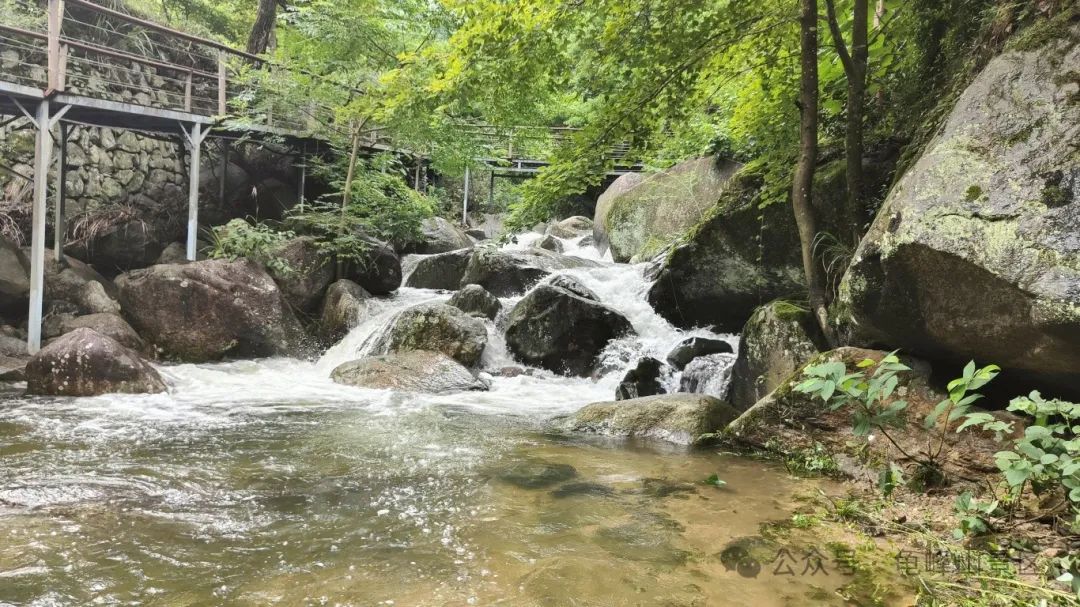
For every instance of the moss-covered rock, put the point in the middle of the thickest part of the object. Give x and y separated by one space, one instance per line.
976 253
675 418
434 327
638 215
778 339
745 250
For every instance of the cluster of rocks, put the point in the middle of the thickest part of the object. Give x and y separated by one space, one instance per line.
559 325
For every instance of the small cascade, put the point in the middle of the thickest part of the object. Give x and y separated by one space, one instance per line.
620 286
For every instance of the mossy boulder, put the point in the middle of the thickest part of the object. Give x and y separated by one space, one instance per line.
976 253
745 251
778 339
639 214
475 301
676 418
435 327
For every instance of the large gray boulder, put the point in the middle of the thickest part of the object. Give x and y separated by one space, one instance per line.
976 253
207 310
556 329
14 278
442 271
380 270
475 301
77 283
106 323
439 235
676 418
87 363
434 327
306 274
343 309
506 273
739 255
777 340
638 215
413 371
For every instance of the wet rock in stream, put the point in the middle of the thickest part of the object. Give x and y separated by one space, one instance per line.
536 475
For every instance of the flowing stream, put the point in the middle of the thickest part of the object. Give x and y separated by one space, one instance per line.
264 483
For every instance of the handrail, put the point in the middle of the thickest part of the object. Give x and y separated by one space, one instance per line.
95 48
22 32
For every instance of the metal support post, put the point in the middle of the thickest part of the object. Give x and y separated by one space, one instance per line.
42 156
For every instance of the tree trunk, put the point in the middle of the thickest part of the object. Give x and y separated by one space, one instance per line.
856 104
801 193
263 27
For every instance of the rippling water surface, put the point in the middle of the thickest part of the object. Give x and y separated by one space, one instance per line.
263 483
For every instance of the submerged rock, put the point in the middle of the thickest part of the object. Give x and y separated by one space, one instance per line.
413 371
558 330
475 301
87 363
976 252
442 271
532 474
308 275
435 327
207 310
675 418
642 380
639 214
778 339
693 347
343 309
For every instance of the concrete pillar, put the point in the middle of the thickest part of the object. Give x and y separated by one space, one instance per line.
42 156
195 145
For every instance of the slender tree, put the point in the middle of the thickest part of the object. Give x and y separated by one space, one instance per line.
855 65
802 189
263 28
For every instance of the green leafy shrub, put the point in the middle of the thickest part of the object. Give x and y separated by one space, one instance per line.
258 241
380 205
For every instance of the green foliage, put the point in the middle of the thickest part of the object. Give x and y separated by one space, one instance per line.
381 206
715 481
257 241
815 461
974 515
1047 456
868 391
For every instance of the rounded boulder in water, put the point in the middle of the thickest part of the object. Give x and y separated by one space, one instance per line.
691 348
